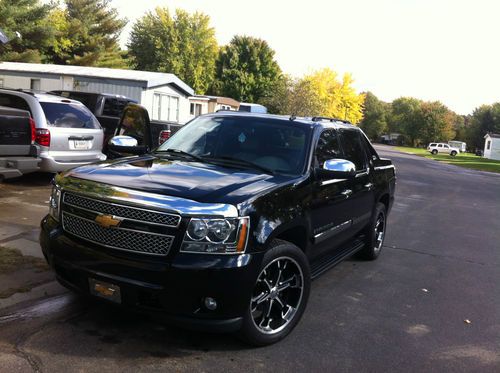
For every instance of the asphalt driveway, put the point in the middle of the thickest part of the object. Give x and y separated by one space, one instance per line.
430 303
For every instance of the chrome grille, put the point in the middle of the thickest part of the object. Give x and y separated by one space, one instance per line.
118 238
127 212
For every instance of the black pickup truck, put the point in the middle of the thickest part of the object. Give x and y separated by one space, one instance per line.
18 152
225 224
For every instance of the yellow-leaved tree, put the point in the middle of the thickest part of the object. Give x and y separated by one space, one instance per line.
338 98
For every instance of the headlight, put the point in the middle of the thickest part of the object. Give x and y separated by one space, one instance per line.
55 203
216 236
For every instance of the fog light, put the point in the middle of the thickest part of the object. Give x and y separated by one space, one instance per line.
210 303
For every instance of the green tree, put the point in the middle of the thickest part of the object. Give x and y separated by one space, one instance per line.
406 118
485 119
436 122
183 44
29 19
293 97
246 70
87 33
375 116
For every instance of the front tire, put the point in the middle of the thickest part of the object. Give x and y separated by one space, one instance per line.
453 153
279 297
375 234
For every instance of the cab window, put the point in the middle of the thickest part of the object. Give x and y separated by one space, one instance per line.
328 147
133 124
353 148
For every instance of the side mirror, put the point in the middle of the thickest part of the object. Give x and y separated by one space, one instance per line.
337 169
125 145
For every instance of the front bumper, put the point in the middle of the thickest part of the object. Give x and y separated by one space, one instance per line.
173 289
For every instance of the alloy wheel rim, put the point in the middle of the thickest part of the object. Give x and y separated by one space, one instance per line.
277 295
379 232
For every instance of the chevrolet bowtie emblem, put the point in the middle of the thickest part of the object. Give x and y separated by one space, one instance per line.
107 221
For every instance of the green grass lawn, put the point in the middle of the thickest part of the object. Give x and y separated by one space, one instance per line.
466 160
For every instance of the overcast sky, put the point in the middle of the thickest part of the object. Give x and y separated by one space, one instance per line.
431 49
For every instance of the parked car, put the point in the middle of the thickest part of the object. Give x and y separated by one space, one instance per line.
67 133
462 146
252 108
18 152
148 134
225 224
435 148
107 108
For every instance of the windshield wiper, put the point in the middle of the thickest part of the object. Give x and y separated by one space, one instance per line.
243 162
181 152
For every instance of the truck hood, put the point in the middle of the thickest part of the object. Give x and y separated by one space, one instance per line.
191 180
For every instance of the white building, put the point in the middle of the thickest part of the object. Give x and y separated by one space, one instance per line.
200 104
164 95
492 146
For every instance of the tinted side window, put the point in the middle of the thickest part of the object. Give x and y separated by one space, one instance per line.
370 151
113 107
133 124
14 102
328 147
353 149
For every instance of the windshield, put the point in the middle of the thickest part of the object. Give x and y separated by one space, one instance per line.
271 144
69 115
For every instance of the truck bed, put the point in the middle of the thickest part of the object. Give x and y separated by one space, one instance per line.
18 155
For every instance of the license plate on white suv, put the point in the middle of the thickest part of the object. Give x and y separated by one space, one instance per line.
81 144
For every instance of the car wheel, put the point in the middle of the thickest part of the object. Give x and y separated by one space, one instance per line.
279 297
434 152
453 153
375 234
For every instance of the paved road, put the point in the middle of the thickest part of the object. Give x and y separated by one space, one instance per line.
404 312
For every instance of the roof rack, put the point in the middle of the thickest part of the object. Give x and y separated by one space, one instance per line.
317 119
27 91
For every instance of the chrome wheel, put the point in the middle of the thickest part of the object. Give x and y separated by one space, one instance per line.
277 295
379 232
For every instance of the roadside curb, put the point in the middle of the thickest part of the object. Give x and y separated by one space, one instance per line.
42 291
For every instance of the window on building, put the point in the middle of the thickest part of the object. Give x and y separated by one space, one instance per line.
488 145
1 82
195 109
35 84
165 107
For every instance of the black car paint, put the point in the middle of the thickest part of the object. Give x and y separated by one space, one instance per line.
293 208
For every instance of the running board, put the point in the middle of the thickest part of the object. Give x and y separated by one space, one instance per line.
323 264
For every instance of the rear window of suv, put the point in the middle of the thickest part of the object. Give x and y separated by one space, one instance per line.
69 116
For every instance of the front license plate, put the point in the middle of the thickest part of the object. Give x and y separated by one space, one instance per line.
105 290
81 144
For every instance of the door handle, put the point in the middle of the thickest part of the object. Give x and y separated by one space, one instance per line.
347 193
369 186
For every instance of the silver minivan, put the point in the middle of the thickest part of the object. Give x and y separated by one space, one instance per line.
68 134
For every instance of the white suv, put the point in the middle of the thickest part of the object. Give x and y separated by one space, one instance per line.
439 147
68 134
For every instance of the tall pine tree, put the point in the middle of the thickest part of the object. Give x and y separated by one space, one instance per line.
25 24
87 33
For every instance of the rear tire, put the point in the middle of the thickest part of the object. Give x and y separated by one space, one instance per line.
434 152
279 297
375 234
